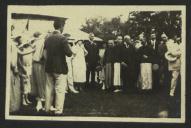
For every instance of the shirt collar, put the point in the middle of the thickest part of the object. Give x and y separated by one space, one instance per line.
56 31
153 40
91 41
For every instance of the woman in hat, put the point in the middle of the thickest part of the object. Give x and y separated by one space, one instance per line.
38 84
70 82
25 53
79 64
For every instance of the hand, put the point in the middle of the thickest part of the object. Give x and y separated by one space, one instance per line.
145 56
74 54
83 46
15 70
124 64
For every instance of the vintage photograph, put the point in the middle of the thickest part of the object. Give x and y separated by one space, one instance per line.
96 63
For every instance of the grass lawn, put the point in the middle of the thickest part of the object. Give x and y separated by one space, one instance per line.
96 102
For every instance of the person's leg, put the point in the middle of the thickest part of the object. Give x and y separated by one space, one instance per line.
42 82
130 79
39 75
106 76
49 91
143 76
70 84
87 75
124 76
150 77
167 80
60 85
156 80
161 76
92 71
117 77
81 86
24 89
174 79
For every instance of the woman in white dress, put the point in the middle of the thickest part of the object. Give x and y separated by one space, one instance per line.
79 64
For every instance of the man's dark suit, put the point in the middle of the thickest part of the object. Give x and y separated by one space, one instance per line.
155 60
92 60
56 47
57 50
128 73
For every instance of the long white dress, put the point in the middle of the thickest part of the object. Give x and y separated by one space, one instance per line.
79 64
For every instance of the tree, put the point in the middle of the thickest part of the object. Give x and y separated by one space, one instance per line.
168 22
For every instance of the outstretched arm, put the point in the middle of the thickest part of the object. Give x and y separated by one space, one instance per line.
25 52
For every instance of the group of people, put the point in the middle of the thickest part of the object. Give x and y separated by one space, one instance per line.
54 65
142 64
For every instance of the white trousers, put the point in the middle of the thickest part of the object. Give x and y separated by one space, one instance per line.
117 74
174 80
145 76
55 83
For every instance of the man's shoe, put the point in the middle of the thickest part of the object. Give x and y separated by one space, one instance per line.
73 90
58 113
39 106
117 90
53 109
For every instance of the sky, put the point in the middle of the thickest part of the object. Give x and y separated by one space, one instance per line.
76 15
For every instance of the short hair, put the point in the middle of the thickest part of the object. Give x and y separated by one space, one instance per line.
119 36
58 24
91 35
109 41
37 34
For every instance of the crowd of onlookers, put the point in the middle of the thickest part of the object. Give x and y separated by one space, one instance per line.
53 64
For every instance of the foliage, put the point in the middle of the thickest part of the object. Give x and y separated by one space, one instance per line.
137 22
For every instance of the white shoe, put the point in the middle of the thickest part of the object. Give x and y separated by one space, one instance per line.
171 94
73 90
39 106
24 103
117 90
53 108
163 114
42 99
103 87
58 112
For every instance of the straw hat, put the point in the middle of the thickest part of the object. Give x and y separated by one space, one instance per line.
170 57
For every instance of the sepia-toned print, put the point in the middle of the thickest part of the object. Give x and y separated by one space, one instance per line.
96 63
